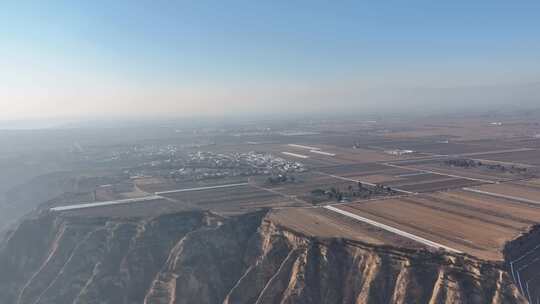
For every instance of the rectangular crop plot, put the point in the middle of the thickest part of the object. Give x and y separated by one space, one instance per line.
231 199
321 222
138 209
530 157
359 169
522 191
439 166
440 183
152 185
468 222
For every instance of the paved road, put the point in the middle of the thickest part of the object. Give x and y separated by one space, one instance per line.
322 153
392 229
107 203
201 188
303 147
295 155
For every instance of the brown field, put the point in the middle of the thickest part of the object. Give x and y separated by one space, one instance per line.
375 178
327 224
362 169
437 166
533 182
232 200
306 184
467 222
526 190
438 183
530 157
400 178
303 186
469 172
151 185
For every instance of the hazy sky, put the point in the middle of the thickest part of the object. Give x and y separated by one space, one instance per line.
182 58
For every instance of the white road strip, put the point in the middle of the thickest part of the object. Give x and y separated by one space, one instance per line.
392 229
514 198
107 203
202 188
303 147
322 153
295 155
412 174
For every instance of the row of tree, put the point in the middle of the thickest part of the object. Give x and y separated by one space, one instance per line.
359 191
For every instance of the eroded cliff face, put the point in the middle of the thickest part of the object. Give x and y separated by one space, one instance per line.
198 257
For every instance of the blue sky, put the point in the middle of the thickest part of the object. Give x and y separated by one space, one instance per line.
77 58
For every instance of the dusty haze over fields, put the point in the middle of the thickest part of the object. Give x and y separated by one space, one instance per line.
240 152
127 59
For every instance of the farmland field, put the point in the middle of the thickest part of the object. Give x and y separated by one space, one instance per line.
478 226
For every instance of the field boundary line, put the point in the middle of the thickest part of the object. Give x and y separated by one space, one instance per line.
287 196
107 203
510 197
392 229
367 183
295 155
201 188
495 152
443 174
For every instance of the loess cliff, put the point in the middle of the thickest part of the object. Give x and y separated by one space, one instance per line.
199 257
